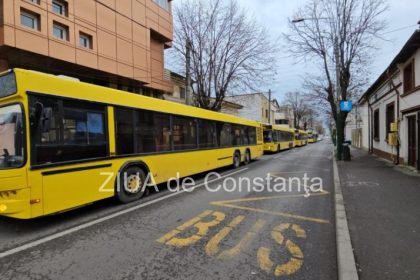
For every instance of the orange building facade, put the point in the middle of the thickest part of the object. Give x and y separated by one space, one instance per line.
117 43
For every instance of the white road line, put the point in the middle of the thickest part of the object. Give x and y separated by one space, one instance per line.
103 219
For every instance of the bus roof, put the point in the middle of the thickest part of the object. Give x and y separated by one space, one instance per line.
38 82
282 128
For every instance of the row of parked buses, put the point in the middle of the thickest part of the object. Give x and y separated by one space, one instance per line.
65 143
278 138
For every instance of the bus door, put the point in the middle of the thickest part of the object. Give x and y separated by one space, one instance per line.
69 152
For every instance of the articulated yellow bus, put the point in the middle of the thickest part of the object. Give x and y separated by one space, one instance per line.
64 143
277 138
312 137
301 138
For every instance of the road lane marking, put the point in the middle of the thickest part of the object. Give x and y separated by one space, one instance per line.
103 219
297 256
233 204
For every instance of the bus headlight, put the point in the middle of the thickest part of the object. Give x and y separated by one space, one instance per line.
3 208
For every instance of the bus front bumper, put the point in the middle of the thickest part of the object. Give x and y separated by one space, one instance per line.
14 197
15 203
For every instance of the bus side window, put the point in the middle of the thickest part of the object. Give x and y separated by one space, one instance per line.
224 134
74 126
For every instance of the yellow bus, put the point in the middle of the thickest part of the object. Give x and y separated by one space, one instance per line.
277 138
301 138
312 137
65 143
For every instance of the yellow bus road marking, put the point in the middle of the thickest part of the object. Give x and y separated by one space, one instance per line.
297 172
212 247
263 256
54 236
245 242
232 204
196 222
296 260
269 197
184 226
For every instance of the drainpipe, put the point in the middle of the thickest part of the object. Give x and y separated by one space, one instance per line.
398 128
370 126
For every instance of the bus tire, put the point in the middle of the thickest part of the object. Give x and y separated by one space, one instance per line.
236 159
247 157
131 184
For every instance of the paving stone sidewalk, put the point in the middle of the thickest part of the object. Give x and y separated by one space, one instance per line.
383 211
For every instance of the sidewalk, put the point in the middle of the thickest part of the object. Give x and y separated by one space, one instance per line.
383 212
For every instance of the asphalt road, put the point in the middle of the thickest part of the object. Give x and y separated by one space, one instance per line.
261 233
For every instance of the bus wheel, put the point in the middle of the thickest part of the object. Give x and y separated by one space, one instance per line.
236 159
247 157
131 185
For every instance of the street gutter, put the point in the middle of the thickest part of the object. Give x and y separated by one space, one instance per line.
345 258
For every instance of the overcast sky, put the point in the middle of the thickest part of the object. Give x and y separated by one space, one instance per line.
402 15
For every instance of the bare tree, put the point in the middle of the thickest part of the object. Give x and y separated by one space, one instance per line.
340 35
310 118
297 102
229 51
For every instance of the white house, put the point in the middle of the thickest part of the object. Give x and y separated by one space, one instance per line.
255 107
391 106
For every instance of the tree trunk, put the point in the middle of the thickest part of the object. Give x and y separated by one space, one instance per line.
341 121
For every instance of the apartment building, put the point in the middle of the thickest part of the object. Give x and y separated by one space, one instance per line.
117 43
391 108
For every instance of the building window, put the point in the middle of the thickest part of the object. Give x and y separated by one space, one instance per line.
30 19
390 117
60 7
60 31
409 83
162 4
376 125
85 40
182 93
35 1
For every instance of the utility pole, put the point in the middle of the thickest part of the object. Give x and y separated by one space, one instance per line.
187 71
269 106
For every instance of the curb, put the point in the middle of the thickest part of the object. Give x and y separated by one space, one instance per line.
345 258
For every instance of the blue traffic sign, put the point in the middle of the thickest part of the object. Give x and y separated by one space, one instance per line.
346 106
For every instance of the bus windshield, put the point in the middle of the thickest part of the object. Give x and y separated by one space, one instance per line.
268 136
11 137
7 85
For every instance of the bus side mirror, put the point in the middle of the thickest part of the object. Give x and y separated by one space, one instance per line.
46 119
